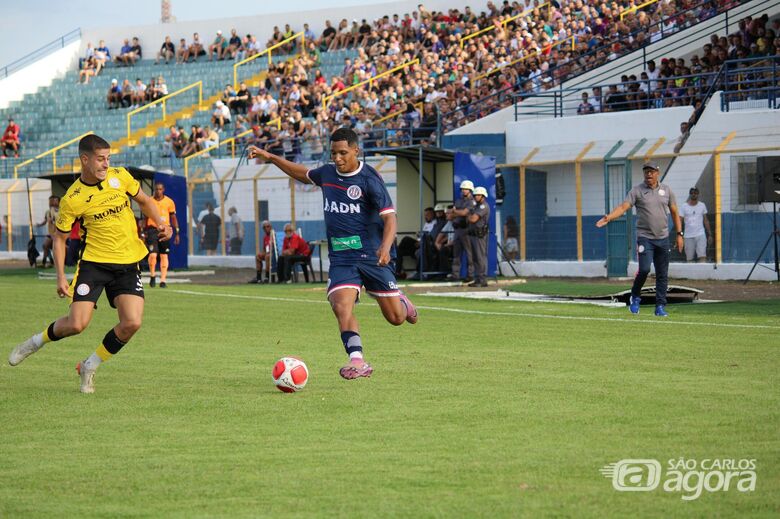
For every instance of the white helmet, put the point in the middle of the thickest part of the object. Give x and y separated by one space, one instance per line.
467 184
480 191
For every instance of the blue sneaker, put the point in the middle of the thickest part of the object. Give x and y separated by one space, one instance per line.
660 311
634 305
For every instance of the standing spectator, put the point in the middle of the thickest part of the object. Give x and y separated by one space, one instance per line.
294 249
265 257
479 230
50 221
654 202
235 232
511 235
696 227
167 51
585 107
209 226
11 138
460 212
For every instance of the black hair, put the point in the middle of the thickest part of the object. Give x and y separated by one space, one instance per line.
345 134
92 143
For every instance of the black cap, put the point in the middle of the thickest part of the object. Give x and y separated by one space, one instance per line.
650 165
694 189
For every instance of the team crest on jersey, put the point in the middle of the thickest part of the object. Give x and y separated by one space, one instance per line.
82 289
114 182
354 192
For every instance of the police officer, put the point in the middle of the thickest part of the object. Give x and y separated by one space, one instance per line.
654 203
478 231
460 244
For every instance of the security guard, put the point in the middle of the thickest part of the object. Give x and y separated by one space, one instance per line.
478 231
460 212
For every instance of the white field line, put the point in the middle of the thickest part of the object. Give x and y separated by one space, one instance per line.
500 314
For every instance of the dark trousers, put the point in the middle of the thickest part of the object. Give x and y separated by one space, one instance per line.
655 252
479 255
460 245
284 266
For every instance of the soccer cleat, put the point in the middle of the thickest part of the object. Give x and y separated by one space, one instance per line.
23 351
660 311
152 282
411 311
254 281
163 284
634 305
87 377
356 368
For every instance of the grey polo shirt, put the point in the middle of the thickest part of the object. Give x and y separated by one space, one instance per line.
652 210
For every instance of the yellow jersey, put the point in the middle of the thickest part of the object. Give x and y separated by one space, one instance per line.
166 208
108 228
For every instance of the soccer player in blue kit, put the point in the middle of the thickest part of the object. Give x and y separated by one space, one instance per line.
360 224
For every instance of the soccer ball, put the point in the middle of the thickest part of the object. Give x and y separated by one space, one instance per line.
290 374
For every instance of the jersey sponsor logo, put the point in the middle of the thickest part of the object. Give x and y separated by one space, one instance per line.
346 243
82 289
114 182
354 192
75 192
331 206
111 211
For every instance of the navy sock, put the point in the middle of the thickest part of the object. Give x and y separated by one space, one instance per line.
352 343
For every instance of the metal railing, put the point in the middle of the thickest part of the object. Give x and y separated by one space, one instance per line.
37 54
53 152
268 52
418 106
636 8
369 82
750 80
163 101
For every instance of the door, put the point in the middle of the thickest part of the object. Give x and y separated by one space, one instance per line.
617 182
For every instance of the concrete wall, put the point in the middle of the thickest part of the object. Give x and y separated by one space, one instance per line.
38 74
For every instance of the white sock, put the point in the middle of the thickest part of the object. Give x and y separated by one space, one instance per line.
356 355
38 340
92 362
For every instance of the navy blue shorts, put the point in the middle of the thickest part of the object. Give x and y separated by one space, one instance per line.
379 281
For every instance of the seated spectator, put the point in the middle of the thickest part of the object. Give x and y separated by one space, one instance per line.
210 140
234 45
11 139
328 35
684 133
511 236
196 48
410 246
218 47
167 51
114 97
240 102
139 93
221 115
193 144
585 107
102 55
294 250
252 47
443 243
128 93
88 69
265 257
125 54
136 52
183 52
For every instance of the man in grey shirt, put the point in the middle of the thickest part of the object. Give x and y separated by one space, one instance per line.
654 202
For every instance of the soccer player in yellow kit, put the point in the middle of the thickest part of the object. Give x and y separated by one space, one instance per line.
110 251
154 243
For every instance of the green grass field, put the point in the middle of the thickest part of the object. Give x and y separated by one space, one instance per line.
483 409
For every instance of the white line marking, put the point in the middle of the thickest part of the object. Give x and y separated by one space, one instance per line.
500 314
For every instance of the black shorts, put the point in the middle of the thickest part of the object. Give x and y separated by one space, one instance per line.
91 278
154 245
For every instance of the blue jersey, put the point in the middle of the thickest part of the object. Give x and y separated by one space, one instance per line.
353 203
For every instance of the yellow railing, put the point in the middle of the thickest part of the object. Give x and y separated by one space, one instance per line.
231 141
163 100
52 152
420 106
635 8
492 71
327 99
267 51
503 22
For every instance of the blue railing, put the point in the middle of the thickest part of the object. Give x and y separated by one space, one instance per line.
35 55
751 83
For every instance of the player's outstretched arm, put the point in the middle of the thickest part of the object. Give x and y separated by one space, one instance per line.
291 169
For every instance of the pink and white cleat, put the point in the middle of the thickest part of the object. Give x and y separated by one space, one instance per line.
411 311
356 368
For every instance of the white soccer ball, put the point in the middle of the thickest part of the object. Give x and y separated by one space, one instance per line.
290 374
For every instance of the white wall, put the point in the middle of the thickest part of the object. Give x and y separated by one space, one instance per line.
38 74
152 36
